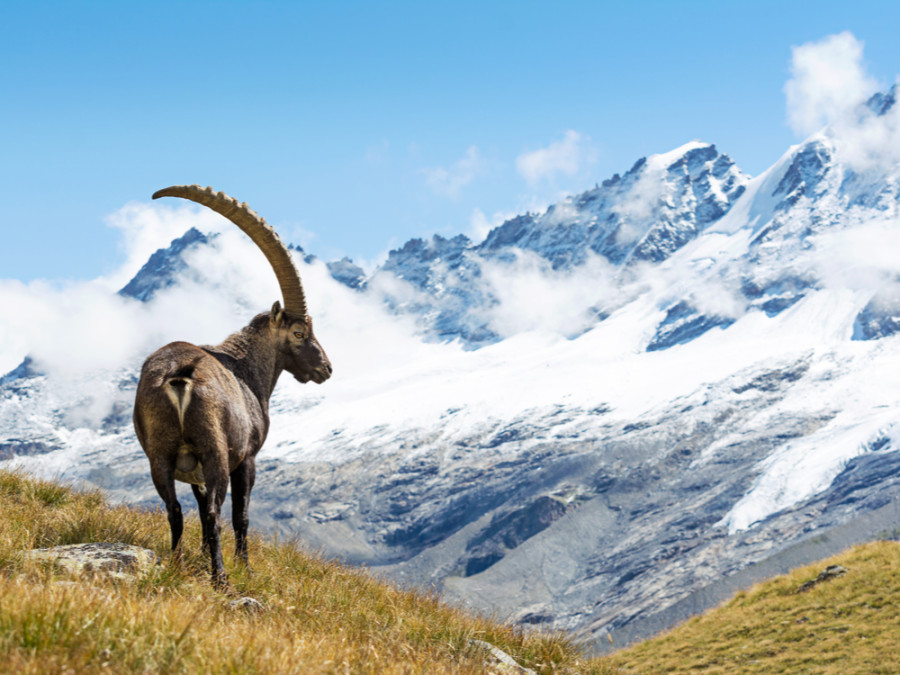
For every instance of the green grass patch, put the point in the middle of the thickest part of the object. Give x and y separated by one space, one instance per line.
848 624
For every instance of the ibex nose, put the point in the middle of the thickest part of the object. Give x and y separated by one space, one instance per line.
322 373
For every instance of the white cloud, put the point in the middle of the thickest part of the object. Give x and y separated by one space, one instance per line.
448 182
828 80
566 157
642 201
534 297
479 225
869 141
828 85
860 258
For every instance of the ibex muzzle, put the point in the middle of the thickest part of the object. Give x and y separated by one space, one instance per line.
202 413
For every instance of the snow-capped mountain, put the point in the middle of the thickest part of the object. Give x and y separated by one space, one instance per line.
658 206
600 418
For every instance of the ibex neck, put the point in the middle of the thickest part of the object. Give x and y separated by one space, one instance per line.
253 358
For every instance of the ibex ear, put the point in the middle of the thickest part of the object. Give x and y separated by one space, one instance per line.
276 318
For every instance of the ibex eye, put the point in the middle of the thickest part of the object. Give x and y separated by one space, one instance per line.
299 336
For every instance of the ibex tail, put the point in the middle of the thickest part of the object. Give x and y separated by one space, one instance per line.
178 389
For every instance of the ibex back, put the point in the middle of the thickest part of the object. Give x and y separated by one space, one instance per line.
202 413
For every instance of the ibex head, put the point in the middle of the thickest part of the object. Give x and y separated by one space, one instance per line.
303 356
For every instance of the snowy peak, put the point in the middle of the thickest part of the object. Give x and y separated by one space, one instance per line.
659 205
882 102
23 371
696 186
415 260
163 267
440 282
805 175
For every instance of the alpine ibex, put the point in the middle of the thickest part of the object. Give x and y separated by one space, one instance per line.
202 413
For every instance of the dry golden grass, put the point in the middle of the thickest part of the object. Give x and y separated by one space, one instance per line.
323 617
320 616
849 624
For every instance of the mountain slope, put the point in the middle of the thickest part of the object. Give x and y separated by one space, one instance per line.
809 620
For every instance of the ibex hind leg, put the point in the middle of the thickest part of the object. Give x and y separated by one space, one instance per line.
163 474
242 479
203 509
215 474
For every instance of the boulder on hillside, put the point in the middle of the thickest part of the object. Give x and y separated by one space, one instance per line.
121 561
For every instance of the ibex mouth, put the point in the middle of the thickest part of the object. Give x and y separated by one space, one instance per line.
319 377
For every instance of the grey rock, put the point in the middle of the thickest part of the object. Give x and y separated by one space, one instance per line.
829 573
805 175
247 604
499 661
880 317
120 561
882 102
682 324
346 272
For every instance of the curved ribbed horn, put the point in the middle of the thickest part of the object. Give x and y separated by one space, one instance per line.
259 231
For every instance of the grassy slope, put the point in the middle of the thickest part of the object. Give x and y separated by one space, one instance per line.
321 617
850 624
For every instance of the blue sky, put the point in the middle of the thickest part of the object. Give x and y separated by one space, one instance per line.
353 126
